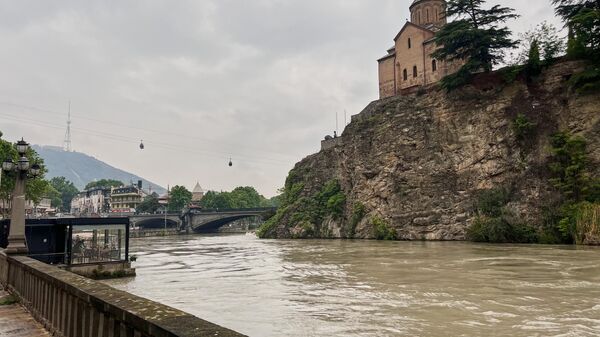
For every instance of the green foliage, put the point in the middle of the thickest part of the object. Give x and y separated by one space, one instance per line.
456 80
510 74
240 197
587 223
587 81
65 192
583 19
580 192
550 44
568 166
581 223
499 230
534 63
358 213
267 228
35 189
576 48
522 127
496 223
179 197
382 230
491 202
149 205
475 37
104 183
331 200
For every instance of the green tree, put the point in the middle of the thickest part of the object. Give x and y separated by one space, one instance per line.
106 183
534 63
66 192
550 43
36 188
568 166
475 37
179 198
149 205
583 19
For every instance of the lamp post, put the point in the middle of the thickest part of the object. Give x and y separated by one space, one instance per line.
22 168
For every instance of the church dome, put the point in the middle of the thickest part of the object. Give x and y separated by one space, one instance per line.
428 12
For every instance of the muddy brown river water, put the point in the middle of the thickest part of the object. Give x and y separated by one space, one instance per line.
368 288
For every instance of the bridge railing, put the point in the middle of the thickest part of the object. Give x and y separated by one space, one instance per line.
70 305
232 210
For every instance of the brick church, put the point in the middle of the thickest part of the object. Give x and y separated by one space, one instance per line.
408 64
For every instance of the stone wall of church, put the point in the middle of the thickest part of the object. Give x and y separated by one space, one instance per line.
409 59
387 80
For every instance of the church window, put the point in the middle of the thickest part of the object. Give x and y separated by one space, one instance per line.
427 14
405 74
415 71
409 43
434 65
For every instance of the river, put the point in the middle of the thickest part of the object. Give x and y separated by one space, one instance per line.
367 288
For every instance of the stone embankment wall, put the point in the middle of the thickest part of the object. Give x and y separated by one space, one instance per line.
418 162
73 306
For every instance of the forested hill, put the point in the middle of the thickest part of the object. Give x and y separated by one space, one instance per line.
81 168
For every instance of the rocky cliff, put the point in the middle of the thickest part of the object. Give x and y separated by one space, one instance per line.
413 165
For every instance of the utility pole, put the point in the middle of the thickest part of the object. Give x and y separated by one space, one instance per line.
167 209
336 122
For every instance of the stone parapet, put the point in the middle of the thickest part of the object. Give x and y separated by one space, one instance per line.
73 306
330 143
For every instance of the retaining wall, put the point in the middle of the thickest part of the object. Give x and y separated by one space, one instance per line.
70 305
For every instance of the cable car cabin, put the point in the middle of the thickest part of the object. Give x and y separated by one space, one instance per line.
74 241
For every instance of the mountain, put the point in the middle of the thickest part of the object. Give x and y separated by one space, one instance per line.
82 169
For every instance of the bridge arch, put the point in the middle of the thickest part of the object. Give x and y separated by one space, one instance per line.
156 223
213 225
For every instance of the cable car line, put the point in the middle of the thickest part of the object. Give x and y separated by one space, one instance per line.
126 139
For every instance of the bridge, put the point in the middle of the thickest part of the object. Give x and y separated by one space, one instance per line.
197 220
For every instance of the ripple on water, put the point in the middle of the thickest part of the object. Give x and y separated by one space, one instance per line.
337 288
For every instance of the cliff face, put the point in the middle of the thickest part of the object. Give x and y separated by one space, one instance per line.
418 162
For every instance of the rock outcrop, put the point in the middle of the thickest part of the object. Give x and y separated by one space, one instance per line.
417 162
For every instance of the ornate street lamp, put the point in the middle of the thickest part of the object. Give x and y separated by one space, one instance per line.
16 238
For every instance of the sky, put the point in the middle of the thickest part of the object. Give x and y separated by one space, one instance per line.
199 81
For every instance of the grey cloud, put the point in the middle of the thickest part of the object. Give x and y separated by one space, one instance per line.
257 80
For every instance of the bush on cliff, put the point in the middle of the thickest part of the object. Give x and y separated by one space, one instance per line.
579 190
382 230
522 127
496 222
358 213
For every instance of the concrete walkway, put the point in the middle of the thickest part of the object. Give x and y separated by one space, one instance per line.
15 321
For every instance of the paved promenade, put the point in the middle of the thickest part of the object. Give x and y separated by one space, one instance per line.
15 321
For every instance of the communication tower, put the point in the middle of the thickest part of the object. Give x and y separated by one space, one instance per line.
67 143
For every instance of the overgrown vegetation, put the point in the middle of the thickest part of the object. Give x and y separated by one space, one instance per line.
587 81
358 213
496 222
580 192
583 19
475 37
382 230
309 212
522 127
